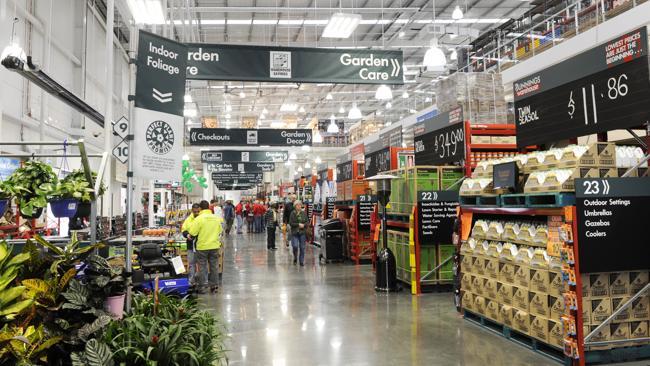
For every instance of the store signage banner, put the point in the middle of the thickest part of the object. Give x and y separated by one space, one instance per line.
602 89
233 156
160 89
344 171
436 216
377 162
293 64
443 146
612 219
250 137
236 176
241 167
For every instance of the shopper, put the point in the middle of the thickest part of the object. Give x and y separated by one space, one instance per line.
298 222
271 218
228 215
286 214
239 215
249 217
258 211
208 228
190 240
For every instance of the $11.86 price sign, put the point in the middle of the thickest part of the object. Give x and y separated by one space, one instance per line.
442 146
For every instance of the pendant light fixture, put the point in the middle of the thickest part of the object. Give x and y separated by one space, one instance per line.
389 105
341 110
318 138
332 127
457 14
405 95
318 160
329 96
383 93
302 109
307 165
355 112
293 156
434 57
454 55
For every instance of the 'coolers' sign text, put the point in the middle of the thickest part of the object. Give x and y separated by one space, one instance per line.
602 89
249 137
293 64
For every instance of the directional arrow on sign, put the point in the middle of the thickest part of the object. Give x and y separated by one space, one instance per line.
121 127
121 152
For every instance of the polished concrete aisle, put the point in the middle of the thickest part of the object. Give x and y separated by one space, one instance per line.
280 314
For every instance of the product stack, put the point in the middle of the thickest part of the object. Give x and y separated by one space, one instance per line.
410 181
481 95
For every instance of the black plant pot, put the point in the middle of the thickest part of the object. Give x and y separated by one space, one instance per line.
83 210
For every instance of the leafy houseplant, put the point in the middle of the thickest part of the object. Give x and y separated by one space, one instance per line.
31 184
76 191
12 298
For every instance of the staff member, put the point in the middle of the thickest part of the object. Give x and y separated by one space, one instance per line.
191 254
239 213
208 227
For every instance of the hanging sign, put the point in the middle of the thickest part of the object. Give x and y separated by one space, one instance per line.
330 207
159 101
443 146
241 167
365 208
293 64
612 215
234 187
245 156
436 215
236 176
602 89
377 162
344 171
250 137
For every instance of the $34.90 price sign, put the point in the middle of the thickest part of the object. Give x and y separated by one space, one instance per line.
445 145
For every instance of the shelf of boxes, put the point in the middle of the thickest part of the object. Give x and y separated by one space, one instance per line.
488 141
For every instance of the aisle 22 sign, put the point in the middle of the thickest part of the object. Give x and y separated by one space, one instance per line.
602 89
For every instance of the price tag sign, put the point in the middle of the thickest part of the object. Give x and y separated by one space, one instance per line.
365 207
344 171
436 215
121 152
612 219
442 146
121 127
377 162
602 89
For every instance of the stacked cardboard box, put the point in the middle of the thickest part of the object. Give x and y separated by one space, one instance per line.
481 95
410 181
603 294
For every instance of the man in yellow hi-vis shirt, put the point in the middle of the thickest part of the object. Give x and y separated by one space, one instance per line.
207 227
191 258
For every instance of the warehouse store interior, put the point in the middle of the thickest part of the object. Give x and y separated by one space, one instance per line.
324 182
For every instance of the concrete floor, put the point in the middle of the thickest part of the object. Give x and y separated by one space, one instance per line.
280 314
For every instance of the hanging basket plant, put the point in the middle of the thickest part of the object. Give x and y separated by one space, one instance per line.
72 195
31 184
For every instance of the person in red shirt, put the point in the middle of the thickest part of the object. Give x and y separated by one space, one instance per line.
239 216
258 211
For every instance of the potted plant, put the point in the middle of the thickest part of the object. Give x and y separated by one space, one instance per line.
72 195
106 282
31 184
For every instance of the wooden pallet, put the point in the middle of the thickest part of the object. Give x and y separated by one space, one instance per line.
513 200
468 200
615 355
550 199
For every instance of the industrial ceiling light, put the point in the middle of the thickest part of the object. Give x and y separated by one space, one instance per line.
405 95
307 165
355 112
434 57
242 94
383 93
287 163
188 98
318 160
227 116
262 116
14 50
341 110
389 105
305 147
147 11
264 111
454 55
332 127
318 138
427 100
378 113
329 96
228 108
457 14
288 107
401 34
302 109
293 156
300 169
341 25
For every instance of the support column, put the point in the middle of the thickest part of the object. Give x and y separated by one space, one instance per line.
108 102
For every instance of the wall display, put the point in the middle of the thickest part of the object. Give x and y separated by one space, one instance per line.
160 89
377 162
505 176
436 215
443 146
250 137
612 219
293 64
602 89
344 171
245 156
365 208
241 167
330 207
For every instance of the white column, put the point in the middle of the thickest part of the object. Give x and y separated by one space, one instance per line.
151 201
108 102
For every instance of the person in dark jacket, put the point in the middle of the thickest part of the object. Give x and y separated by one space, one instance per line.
271 218
299 223
286 214
228 216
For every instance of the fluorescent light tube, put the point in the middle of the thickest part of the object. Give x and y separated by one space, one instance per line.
341 25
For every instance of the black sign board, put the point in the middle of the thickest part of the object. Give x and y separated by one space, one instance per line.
434 122
612 218
236 176
442 146
377 162
365 207
249 137
436 215
234 187
160 83
293 64
241 167
310 208
602 89
505 176
330 207
344 171
392 137
233 156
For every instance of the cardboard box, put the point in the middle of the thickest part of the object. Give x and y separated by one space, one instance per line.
506 315
522 275
479 304
619 284
467 264
492 310
478 285
556 307
506 273
539 328
467 300
555 334
624 316
490 290
640 308
479 265
603 335
584 279
638 280
539 280
521 321
601 309
556 285
639 329
478 139
520 298
504 293
491 268
586 311
598 285
539 304
619 331
466 282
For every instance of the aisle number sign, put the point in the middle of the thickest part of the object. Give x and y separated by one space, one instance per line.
121 149
602 89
